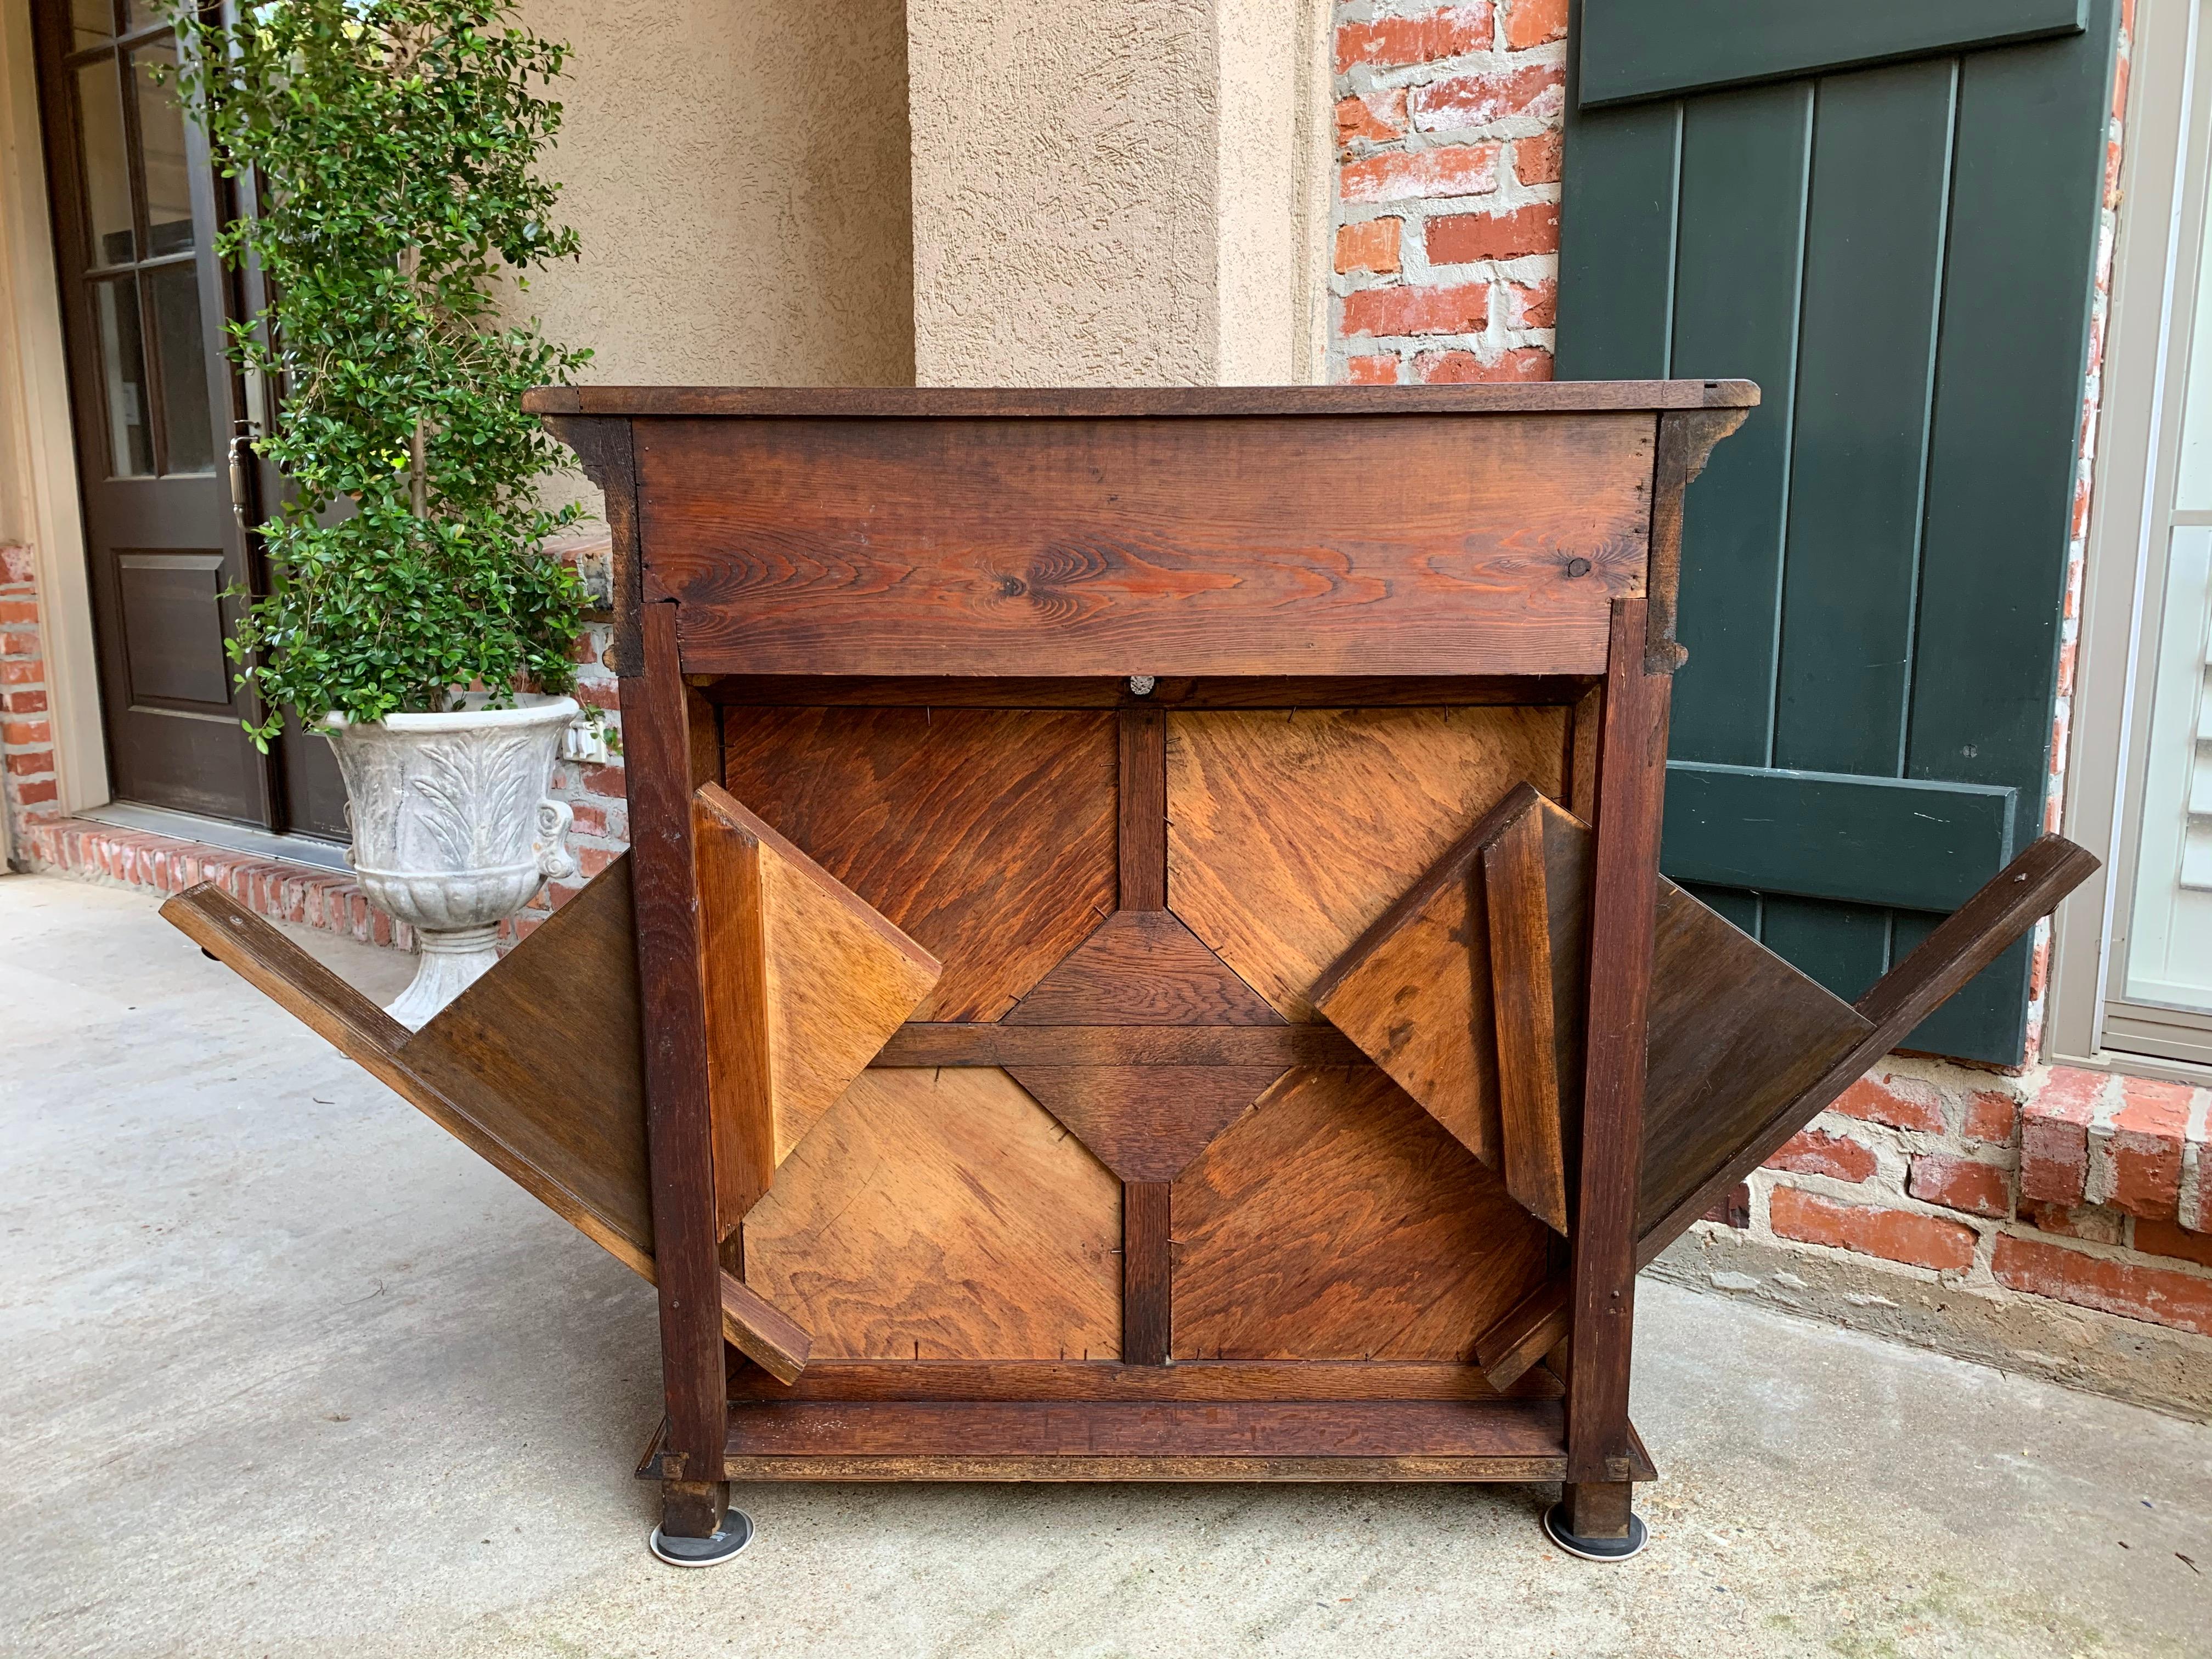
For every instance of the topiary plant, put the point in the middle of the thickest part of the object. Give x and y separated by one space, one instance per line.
390 146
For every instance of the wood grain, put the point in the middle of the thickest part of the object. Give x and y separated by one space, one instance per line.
828 981
986 837
1142 968
1147 1273
679 1122
1337 1220
1010 1045
1424 545
942 1215
1304 1471
1518 910
1191 1380
1146 1122
1624 896
1144 808
1291 832
732 931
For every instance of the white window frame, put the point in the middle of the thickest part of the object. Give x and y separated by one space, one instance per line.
2166 169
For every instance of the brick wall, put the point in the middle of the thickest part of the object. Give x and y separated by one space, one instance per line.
28 787
1447 190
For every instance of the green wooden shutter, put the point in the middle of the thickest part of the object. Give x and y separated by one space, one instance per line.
1886 215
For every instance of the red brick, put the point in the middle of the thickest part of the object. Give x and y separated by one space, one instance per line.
1921 1241
1992 1114
1462 237
1815 1151
20 610
1391 311
25 731
604 780
26 645
1960 1184
35 762
1370 245
591 818
37 793
23 703
558 893
1421 174
2090 1221
2169 1238
1464 368
1532 305
21 673
524 927
1532 22
1371 370
599 693
1373 118
590 861
1901 1102
1537 159
15 563
2161 1296
1392 42
2146 1146
1457 102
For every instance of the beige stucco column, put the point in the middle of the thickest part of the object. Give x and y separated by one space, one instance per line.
1123 192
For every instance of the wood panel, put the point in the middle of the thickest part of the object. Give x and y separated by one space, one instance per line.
1011 1045
1289 833
544 1051
986 835
1146 1122
1049 547
1415 990
1337 1220
804 984
942 1215
1192 1380
1142 968
1302 1471
1527 1428
1679 1185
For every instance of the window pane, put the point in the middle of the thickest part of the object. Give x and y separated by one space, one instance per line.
162 145
185 420
106 172
122 377
94 21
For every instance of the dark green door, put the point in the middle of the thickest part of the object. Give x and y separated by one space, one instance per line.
1886 215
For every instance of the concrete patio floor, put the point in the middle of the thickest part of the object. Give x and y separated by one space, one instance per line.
288 1372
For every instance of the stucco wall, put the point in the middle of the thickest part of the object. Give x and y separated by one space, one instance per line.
737 172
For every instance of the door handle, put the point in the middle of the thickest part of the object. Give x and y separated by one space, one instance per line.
245 434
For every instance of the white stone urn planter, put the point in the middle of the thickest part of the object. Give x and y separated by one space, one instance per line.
453 829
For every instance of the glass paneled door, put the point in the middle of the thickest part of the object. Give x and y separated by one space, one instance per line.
157 406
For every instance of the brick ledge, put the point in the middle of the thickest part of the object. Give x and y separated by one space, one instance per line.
87 850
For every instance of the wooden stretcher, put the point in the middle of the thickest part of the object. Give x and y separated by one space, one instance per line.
1143 955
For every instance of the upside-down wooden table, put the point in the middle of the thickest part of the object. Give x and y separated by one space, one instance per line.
1143 955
